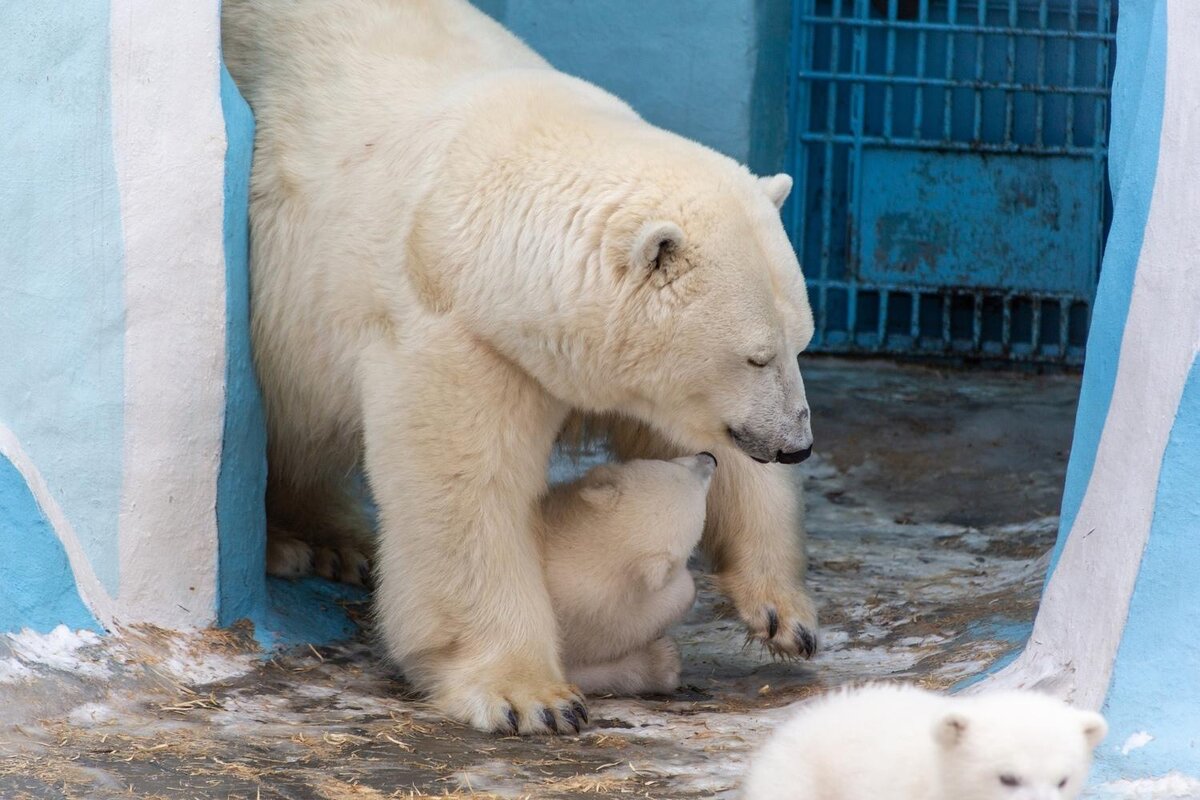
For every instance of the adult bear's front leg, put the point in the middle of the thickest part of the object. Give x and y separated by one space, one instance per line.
457 440
753 536
756 540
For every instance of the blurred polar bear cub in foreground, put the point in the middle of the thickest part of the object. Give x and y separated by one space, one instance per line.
615 546
903 743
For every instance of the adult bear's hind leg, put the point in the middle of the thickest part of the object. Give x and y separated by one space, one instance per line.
317 528
457 441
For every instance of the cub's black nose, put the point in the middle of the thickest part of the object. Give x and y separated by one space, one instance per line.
794 457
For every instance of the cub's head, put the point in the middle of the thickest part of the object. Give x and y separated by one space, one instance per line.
708 311
1016 746
640 507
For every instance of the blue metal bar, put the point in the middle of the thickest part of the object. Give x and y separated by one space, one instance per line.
830 129
914 321
1035 335
881 328
977 118
947 95
1011 73
919 100
890 68
1072 56
953 83
1064 322
947 301
1039 133
952 27
977 320
1006 327
857 112
955 147
1099 143
799 103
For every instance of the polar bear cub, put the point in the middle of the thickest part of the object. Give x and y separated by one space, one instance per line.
904 743
615 545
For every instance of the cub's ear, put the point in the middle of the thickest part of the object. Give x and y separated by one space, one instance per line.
600 488
656 570
1094 727
950 730
777 187
653 244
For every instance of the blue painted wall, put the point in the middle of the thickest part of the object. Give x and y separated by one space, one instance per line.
61 286
241 518
712 70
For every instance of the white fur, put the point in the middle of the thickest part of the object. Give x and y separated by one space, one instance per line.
615 546
446 262
904 743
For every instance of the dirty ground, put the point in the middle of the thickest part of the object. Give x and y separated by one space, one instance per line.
931 504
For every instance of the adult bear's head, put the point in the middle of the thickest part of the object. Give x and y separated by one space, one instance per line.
707 311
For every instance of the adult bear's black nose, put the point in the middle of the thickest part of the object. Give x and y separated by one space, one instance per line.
794 457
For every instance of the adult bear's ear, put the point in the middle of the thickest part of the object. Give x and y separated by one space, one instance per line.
777 188
654 245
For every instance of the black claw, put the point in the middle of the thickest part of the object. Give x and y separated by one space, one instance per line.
548 720
513 724
580 711
569 717
772 623
807 642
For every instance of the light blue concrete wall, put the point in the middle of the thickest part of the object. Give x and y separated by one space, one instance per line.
1137 110
61 287
1156 679
712 70
38 589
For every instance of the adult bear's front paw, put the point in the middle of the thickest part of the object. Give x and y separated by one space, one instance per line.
785 623
511 707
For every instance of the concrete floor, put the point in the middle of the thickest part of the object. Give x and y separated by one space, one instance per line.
932 501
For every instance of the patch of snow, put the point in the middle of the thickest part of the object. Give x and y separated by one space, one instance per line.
13 671
193 664
1136 740
59 649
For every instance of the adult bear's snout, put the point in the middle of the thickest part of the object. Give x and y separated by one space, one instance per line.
794 457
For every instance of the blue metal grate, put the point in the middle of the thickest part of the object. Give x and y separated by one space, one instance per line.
950 163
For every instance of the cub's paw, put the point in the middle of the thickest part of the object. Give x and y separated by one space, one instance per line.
557 708
664 665
787 626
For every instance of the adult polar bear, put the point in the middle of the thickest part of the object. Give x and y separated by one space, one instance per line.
454 248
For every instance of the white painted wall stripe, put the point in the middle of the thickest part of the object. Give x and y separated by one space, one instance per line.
1082 618
91 590
169 140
